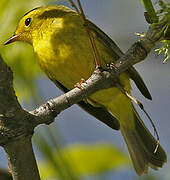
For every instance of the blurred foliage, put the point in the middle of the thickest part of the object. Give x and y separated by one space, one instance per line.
165 49
76 161
163 14
19 56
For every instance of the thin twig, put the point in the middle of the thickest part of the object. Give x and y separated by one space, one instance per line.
81 9
74 6
95 51
94 48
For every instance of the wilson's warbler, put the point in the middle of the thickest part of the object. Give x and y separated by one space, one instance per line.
64 53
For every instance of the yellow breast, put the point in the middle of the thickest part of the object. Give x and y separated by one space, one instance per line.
66 56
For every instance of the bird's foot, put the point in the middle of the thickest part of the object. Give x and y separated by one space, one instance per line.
111 66
79 84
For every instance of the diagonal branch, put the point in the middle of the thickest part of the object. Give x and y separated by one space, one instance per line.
100 80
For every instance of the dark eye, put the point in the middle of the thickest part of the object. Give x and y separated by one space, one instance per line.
27 21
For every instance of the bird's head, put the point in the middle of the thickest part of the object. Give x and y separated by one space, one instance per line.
36 21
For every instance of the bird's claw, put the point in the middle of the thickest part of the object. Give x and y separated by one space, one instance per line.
79 84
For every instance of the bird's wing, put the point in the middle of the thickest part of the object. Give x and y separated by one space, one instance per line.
135 76
117 53
101 113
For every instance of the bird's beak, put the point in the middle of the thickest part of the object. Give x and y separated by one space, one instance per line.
14 38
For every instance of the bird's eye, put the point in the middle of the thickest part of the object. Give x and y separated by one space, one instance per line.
27 21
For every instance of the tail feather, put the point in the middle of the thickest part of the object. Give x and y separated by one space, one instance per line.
141 145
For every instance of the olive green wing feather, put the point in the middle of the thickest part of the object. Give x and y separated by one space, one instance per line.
117 53
135 76
100 113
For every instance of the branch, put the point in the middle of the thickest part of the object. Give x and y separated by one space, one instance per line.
17 125
15 136
101 80
21 159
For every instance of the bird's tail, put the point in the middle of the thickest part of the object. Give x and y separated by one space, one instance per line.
141 145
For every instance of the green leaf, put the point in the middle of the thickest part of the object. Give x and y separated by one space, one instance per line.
19 56
87 160
92 159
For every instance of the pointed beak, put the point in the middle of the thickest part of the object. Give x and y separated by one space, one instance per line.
14 38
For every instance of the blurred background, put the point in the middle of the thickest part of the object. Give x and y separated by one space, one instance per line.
77 146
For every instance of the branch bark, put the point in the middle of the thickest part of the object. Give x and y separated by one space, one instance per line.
21 159
15 130
17 125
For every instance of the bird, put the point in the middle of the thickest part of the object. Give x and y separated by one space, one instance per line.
63 51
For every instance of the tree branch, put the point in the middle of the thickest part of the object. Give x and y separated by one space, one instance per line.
21 159
15 130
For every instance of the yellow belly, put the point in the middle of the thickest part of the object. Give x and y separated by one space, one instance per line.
68 62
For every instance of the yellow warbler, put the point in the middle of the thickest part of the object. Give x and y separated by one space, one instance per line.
64 53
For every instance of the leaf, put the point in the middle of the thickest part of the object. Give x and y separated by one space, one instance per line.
88 159
19 56
95 158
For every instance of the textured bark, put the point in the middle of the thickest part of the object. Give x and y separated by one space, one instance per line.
21 159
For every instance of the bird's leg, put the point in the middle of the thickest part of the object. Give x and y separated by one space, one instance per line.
79 84
111 66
